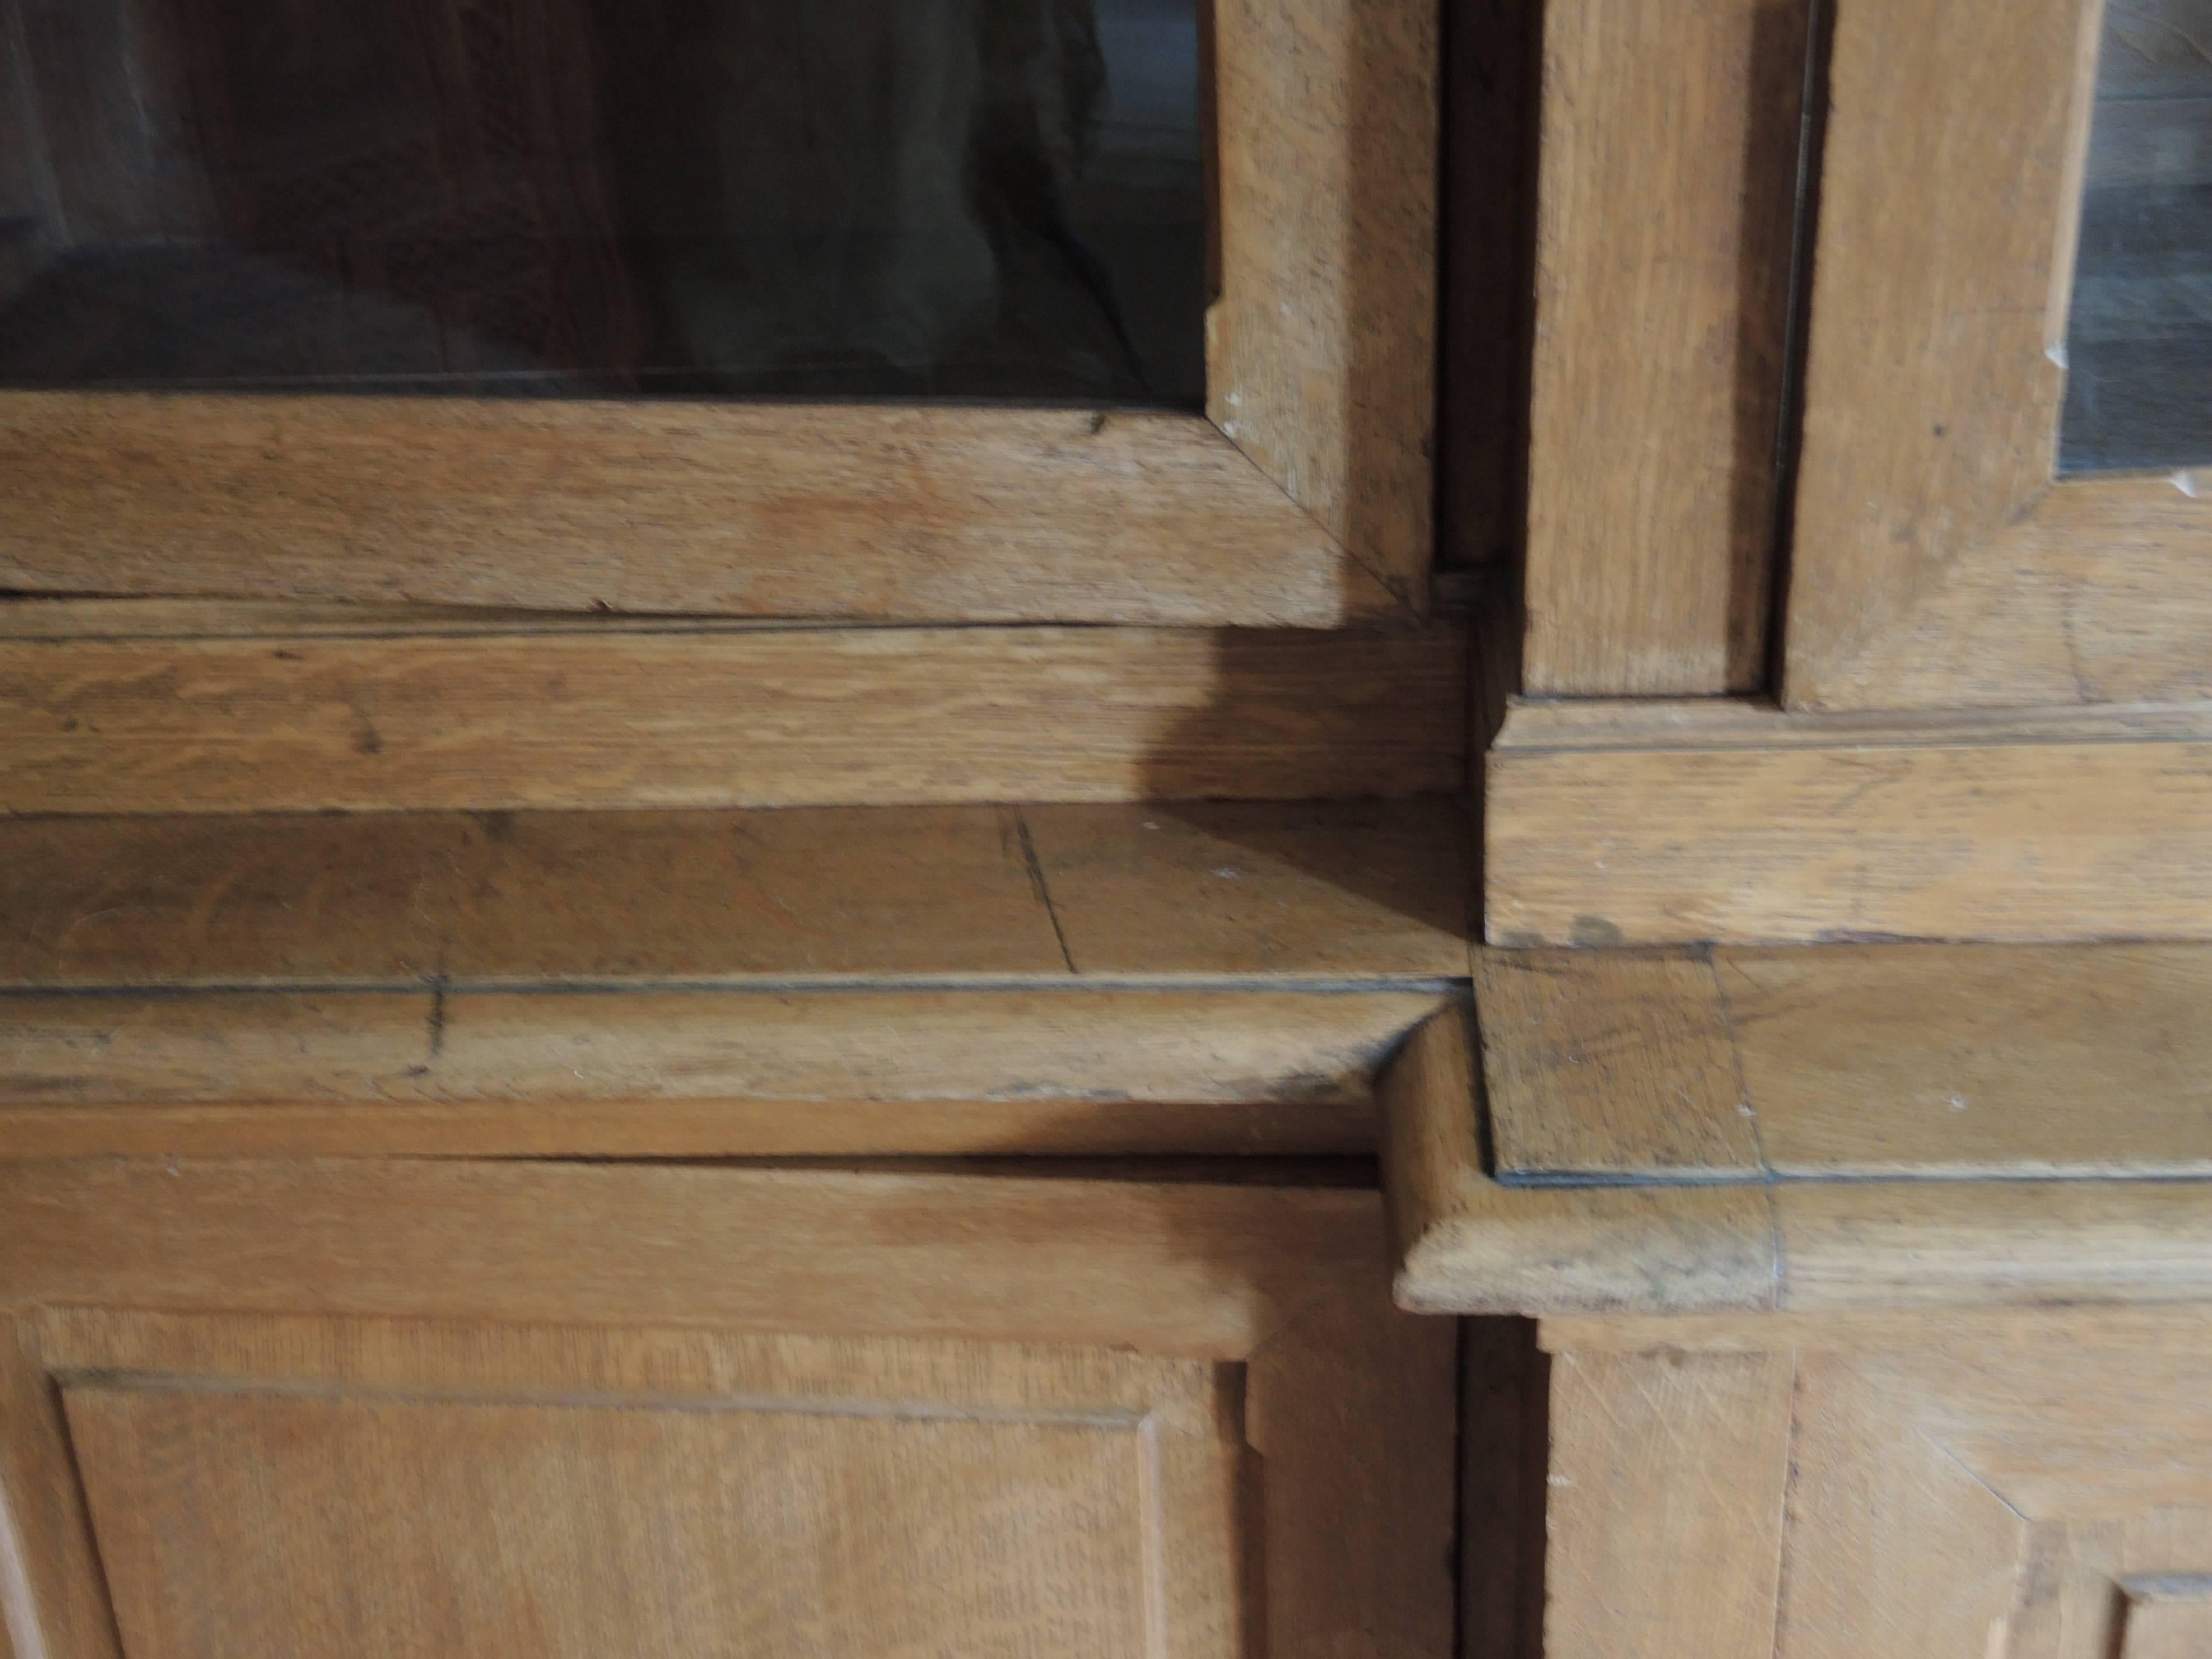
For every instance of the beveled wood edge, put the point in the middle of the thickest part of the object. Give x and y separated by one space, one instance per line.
1536 726
1466 1245
1865 625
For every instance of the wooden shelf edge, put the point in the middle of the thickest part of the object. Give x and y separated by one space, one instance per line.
1467 1244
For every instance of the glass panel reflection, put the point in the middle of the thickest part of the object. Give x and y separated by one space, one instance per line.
963 198
2139 342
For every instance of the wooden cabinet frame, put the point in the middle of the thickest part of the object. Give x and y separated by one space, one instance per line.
1936 563
1972 707
1247 1331
1300 498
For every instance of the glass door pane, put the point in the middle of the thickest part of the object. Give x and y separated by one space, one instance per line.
963 198
2139 342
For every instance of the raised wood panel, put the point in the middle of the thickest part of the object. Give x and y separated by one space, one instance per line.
397 1526
617 716
1952 1491
830 1436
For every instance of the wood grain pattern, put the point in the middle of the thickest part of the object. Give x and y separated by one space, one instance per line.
1601 1062
910 515
53 1603
517 1529
852 1334
1344 890
1903 1061
1191 1270
1049 1127
1320 345
626 1049
1466 1244
1660 330
2012 1485
1895 1544
758 718
1936 563
1673 823
1666 1514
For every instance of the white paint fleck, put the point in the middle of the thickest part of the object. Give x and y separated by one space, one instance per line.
2056 352
1227 872
1957 1102
2186 482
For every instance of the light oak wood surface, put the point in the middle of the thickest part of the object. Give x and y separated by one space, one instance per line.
1466 1242
917 515
489 1436
2037 1491
1665 1519
1320 345
615 716
1919 1062
1935 562
1351 891
1669 171
1673 823
1162 977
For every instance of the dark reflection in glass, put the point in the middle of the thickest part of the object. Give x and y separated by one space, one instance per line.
872 198
2139 341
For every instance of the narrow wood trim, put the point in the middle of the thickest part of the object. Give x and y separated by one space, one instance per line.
1936 561
890 513
1054 1126
1685 822
1321 347
1669 159
617 716
53 1596
1467 1244
1200 1272
1319 370
115 1051
1918 1061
